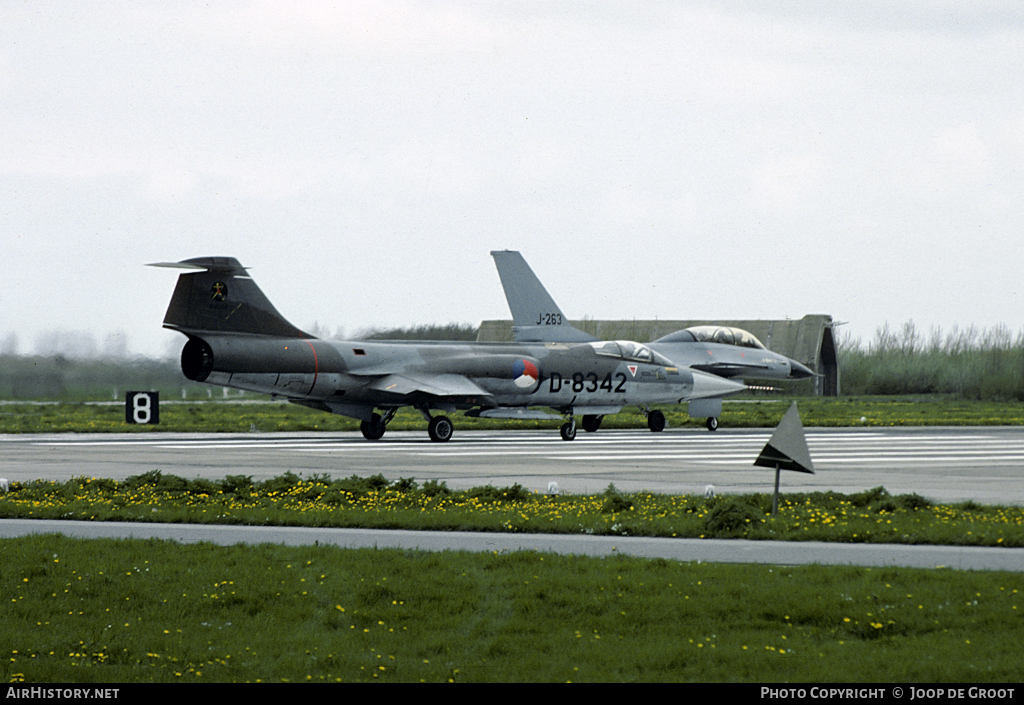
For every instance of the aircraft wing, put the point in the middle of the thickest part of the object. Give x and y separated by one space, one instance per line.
440 385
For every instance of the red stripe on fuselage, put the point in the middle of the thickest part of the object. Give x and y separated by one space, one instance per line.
316 366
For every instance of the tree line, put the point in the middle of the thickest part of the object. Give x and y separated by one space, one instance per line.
966 363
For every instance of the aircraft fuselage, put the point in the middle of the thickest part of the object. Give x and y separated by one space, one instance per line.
342 374
731 361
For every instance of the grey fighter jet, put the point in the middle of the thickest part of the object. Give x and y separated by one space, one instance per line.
236 338
722 351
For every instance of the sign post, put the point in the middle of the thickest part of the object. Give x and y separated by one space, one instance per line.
786 450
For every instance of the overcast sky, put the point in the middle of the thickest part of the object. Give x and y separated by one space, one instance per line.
674 160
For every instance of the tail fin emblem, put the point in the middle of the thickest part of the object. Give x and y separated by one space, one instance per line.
219 291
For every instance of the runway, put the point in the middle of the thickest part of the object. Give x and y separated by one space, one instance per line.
947 464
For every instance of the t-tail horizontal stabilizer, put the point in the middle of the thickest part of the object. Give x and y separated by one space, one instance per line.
218 295
536 317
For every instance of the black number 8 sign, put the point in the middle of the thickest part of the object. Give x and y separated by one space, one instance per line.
142 408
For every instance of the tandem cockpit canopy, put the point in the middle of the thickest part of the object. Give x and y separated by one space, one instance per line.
714 334
628 350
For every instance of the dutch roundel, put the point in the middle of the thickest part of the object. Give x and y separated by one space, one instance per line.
525 373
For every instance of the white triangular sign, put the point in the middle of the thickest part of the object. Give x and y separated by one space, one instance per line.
787 448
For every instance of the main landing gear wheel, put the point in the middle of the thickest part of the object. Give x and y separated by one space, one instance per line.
656 421
373 430
440 429
712 423
592 422
568 431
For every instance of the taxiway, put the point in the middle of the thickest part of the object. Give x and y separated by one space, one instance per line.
691 550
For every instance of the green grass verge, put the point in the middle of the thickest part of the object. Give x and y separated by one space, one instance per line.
110 611
281 416
872 516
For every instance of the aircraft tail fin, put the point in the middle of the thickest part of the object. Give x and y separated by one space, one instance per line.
218 295
536 317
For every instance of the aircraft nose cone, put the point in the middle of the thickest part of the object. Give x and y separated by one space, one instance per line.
798 371
708 385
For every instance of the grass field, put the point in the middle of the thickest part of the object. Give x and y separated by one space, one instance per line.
141 611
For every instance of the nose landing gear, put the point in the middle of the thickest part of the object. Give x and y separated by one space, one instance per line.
568 430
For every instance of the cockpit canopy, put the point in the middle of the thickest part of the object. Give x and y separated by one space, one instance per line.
714 334
628 350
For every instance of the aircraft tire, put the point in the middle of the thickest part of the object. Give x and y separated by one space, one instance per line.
373 430
440 429
592 422
712 423
568 431
656 421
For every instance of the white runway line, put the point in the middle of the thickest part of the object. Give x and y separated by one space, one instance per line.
829 447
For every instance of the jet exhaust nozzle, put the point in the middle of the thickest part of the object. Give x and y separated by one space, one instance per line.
197 360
